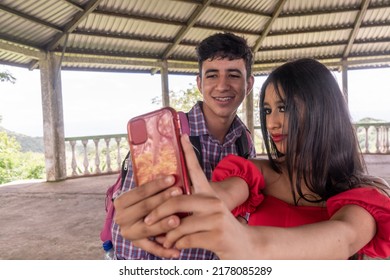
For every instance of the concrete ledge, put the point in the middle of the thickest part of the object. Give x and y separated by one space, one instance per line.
378 165
377 159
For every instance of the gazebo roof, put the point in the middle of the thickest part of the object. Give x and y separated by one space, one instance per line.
137 35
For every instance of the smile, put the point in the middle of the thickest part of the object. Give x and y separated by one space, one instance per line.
223 99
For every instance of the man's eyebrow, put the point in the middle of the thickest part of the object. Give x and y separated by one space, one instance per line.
234 70
210 71
228 70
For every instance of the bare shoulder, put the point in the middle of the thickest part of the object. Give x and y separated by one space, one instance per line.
264 166
270 175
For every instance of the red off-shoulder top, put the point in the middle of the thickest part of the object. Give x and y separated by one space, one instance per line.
266 210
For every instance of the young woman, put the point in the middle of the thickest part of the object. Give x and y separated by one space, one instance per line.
311 199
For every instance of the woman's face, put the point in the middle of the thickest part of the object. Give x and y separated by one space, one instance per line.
276 118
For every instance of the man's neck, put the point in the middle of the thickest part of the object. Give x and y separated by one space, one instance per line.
218 127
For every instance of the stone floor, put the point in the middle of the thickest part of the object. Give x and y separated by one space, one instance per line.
62 220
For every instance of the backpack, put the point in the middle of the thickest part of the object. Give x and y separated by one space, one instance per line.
242 144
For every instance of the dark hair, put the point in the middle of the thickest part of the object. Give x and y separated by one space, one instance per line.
322 147
225 45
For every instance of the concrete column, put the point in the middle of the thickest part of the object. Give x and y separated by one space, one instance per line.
164 83
344 75
53 119
248 112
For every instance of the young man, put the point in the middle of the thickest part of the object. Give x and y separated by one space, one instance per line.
225 79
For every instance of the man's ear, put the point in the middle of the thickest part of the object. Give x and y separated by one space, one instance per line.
199 83
250 83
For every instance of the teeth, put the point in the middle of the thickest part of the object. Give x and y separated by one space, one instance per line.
223 98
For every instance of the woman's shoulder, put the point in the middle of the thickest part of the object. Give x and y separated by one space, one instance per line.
261 162
377 203
264 165
364 194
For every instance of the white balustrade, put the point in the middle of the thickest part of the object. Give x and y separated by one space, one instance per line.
85 157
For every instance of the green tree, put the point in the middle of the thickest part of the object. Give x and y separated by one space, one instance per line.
182 100
6 76
9 148
15 165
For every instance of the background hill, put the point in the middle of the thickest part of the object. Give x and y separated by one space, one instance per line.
370 120
27 143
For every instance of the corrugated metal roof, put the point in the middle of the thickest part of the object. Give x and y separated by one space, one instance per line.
136 35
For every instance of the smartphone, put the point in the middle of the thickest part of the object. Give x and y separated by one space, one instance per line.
155 148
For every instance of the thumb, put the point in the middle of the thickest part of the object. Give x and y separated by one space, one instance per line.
198 178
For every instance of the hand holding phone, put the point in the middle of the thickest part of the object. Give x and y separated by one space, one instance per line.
154 140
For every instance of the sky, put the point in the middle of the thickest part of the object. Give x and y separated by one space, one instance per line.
97 103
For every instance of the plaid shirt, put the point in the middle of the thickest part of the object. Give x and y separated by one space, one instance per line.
212 152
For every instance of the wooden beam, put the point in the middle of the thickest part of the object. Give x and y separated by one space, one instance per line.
184 30
358 22
20 49
267 28
72 25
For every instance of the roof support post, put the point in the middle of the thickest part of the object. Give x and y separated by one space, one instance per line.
248 109
53 119
344 75
164 83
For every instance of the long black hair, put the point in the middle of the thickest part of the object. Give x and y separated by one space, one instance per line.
322 148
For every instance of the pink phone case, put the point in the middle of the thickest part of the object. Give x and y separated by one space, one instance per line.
155 148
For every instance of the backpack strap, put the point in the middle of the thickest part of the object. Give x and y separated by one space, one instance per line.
242 144
125 164
105 233
195 140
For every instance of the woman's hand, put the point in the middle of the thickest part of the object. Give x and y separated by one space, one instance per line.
207 227
131 208
211 225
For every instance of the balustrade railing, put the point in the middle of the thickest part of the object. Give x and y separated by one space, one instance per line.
373 138
103 154
94 155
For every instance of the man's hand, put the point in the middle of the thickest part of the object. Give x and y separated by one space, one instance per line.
131 208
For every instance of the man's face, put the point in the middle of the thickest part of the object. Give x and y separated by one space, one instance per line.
224 85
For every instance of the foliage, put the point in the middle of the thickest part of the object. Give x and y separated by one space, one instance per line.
370 120
6 76
27 143
182 100
16 165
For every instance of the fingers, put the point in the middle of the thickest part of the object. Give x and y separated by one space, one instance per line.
179 204
139 229
216 232
156 249
195 240
135 204
190 226
202 208
140 193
